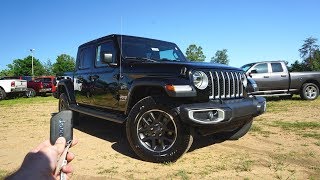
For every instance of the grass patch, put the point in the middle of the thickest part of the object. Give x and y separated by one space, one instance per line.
112 170
257 129
182 174
34 100
317 143
244 165
311 135
296 125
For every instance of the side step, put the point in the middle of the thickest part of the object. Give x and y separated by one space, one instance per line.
97 114
270 95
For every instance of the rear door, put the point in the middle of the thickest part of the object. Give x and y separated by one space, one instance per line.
279 76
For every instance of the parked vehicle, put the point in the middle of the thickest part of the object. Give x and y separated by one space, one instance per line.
274 79
43 85
12 87
163 99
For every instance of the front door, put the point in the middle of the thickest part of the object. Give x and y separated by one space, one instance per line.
261 75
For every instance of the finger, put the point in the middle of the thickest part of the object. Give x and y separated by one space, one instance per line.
74 142
60 144
70 156
67 169
41 146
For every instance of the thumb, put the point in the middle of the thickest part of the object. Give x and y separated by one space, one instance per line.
60 144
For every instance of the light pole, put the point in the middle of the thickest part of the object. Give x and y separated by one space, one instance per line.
31 50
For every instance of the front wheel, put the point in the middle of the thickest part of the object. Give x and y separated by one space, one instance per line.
309 91
64 105
155 132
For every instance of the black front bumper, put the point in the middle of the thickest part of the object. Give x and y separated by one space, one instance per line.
230 114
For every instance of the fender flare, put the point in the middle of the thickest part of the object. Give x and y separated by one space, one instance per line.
66 86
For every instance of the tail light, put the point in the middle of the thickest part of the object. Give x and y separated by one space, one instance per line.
41 85
13 84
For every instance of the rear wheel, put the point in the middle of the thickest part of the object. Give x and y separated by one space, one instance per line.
309 91
3 94
155 132
64 105
30 93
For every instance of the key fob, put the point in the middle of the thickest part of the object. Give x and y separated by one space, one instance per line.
61 126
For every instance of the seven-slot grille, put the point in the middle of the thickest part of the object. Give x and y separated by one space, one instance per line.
225 84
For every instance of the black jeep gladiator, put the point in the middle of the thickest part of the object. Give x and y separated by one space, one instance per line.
161 97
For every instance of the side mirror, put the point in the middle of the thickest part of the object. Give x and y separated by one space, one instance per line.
254 71
106 57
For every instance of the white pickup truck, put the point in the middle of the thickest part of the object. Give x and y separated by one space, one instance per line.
12 87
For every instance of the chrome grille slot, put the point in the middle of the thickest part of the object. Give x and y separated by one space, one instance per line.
225 85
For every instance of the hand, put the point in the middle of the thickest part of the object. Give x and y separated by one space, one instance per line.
41 162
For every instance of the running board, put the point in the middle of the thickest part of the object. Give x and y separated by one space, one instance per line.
269 95
98 114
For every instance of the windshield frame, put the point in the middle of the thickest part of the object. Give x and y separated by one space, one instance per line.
247 65
149 43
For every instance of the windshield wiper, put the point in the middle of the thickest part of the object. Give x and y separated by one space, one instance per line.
140 59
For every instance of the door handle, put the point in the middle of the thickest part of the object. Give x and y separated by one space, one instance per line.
265 76
283 75
94 77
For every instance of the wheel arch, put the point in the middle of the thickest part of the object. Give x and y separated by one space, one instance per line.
66 86
311 81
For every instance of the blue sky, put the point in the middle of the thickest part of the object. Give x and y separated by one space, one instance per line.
250 30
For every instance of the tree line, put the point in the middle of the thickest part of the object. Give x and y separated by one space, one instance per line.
23 67
309 52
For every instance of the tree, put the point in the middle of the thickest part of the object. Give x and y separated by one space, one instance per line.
298 67
308 51
6 72
23 67
221 57
194 53
64 63
48 67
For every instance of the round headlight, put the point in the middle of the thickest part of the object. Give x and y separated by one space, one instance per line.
244 80
200 79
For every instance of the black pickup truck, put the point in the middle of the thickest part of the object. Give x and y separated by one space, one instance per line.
274 79
162 98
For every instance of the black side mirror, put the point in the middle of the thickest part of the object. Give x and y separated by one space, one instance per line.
254 71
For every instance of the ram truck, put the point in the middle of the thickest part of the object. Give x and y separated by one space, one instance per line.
274 79
163 99
12 87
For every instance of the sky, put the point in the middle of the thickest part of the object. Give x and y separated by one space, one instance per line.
251 30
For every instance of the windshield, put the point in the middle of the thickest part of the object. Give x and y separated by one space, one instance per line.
246 67
140 48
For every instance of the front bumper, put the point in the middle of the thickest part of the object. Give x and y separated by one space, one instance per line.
222 115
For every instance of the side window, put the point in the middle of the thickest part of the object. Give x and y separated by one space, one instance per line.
106 47
168 54
86 58
276 67
261 68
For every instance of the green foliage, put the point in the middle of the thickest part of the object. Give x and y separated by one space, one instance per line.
23 67
310 54
221 57
64 63
48 68
298 67
6 72
194 53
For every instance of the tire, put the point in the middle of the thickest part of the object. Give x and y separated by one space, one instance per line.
30 93
309 91
237 134
64 105
155 132
3 94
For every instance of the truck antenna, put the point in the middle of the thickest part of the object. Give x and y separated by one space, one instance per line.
120 69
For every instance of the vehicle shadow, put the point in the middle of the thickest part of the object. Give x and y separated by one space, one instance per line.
116 134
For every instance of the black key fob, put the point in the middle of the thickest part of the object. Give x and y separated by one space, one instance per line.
61 126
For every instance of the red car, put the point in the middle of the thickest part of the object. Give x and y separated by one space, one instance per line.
43 85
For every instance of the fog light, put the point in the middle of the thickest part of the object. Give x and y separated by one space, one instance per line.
207 116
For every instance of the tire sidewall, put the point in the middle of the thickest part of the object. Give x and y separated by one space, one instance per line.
304 89
180 145
3 94
63 101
